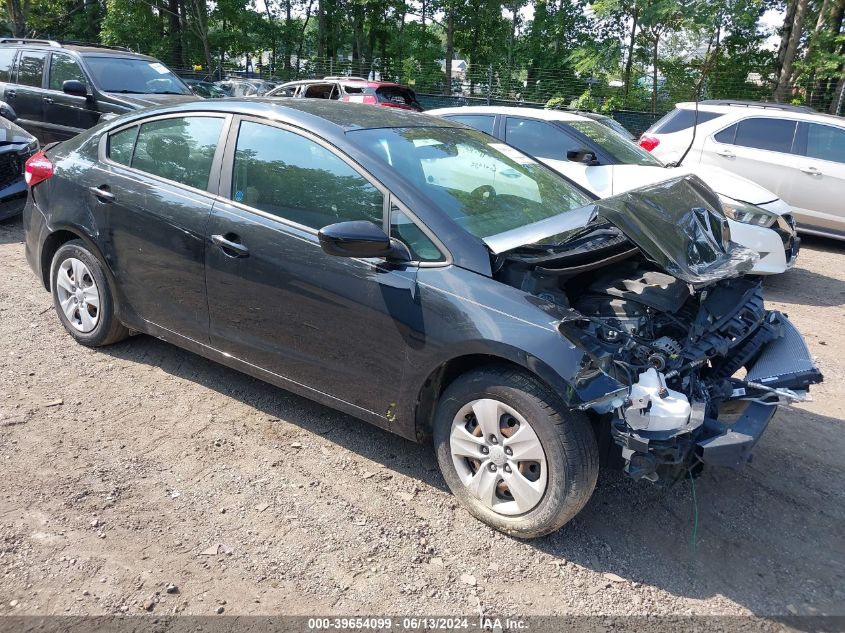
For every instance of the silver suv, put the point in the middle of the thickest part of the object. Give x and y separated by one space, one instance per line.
793 151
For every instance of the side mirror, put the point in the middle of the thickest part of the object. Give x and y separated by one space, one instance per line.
8 112
360 238
582 156
75 88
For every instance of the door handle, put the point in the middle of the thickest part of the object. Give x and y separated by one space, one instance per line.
10 94
726 153
230 246
48 99
102 192
813 171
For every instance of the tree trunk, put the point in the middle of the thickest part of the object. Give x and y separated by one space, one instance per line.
450 47
302 35
175 33
786 31
18 11
784 85
321 35
629 62
654 73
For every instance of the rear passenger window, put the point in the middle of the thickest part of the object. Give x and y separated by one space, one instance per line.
62 69
7 56
825 142
179 149
480 122
31 68
774 135
294 178
121 145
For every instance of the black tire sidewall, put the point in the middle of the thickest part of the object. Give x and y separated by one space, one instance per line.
103 330
565 495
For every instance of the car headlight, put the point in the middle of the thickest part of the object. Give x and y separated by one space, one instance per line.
747 213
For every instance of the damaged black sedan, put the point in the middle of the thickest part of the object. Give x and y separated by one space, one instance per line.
423 277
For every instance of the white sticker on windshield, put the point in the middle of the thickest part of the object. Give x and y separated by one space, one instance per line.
160 68
513 153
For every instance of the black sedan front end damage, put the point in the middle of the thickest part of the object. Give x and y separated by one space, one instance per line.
669 315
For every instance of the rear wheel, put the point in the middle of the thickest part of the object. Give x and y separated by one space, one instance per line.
82 297
512 454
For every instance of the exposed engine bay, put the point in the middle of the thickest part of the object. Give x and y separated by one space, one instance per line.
703 366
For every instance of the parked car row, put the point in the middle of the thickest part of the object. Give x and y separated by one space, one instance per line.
432 279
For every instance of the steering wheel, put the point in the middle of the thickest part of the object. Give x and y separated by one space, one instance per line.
485 193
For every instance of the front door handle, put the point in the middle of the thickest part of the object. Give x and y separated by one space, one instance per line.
813 171
726 153
230 245
48 99
10 94
102 192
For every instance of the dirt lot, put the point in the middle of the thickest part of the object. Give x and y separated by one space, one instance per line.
134 467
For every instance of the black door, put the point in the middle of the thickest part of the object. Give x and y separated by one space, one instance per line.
276 300
26 97
153 198
66 115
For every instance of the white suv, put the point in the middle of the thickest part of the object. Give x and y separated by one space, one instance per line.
794 151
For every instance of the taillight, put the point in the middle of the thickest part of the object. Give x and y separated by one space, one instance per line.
648 143
37 168
369 99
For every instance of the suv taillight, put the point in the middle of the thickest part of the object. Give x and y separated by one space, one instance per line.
37 168
649 142
370 99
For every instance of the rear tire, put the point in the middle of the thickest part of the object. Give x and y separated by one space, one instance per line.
545 453
82 297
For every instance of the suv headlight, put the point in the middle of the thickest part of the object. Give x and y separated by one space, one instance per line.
747 213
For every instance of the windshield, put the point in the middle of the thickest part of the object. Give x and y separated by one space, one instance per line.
485 186
622 150
134 76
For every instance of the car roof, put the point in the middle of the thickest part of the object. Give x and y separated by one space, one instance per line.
355 82
322 116
533 113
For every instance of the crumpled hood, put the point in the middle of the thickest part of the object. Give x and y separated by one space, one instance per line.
136 101
11 133
678 224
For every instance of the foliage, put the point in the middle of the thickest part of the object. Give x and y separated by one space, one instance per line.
597 54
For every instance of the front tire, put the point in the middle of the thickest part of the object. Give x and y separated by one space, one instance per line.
82 296
512 454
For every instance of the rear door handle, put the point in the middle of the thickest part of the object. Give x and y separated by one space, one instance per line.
48 99
102 192
813 171
230 245
726 153
10 94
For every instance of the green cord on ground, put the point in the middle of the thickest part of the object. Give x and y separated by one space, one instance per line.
694 535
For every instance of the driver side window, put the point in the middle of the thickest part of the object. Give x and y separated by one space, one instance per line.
540 139
62 69
294 178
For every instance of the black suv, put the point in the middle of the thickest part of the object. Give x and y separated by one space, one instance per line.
58 90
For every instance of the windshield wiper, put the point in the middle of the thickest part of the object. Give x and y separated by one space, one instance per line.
166 92
126 92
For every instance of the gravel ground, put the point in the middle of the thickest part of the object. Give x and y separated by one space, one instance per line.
140 466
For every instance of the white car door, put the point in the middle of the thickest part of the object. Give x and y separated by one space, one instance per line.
819 178
757 148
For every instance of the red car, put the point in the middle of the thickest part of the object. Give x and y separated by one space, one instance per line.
351 89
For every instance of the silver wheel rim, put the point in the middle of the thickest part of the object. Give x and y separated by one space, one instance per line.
78 295
498 456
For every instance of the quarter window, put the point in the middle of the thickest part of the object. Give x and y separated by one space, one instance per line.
480 122
727 135
179 149
121 145
409 233
62 69
294 178
539 139
31 68
774 135
7 56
